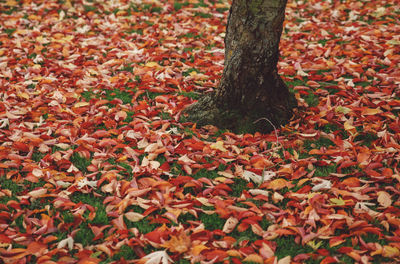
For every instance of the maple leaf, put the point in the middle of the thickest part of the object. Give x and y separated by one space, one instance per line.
180 243
156 257
251 176
85 182
219 145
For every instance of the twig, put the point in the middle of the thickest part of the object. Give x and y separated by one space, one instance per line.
275 130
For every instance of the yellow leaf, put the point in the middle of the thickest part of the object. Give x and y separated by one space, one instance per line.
193 73
371 111
196 250
384 199
220 179
254 258
336 201
11 3
302 181
234 253
277 184
23 95
219 145
390 252
152 64
342 110
348 125
314 245
81 104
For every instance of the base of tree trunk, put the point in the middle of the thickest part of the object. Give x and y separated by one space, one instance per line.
262 118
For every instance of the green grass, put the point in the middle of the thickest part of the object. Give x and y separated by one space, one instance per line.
238 186
188 71
156 9
89 8
325 171
328 128
165 116
124 168
9 31
212 222
80 162
128 68
135 208
247 235
84 235
286 246
6 199
192 95
67 216
320 142
10 185
87 95
37 156
116 93
144 226
312 100
222 9
366 139
101 217
125 252
204 173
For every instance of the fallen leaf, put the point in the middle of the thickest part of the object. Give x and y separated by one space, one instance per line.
219 145
384 199
157 257
133 217
230 225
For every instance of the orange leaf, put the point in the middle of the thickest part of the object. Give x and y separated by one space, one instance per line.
196 250
371 111
253 258
36 248
351 182
180 243
335 241
277 184
362 157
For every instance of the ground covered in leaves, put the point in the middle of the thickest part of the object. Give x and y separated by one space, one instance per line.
97 168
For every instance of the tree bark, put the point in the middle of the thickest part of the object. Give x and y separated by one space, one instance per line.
250 89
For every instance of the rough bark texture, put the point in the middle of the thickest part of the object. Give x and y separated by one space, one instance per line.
250 88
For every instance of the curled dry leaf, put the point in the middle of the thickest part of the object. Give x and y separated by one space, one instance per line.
69 241
230 225
133 217
384 199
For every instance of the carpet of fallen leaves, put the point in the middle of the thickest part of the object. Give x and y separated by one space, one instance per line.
97 168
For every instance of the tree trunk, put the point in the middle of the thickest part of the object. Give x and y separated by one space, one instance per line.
251 91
